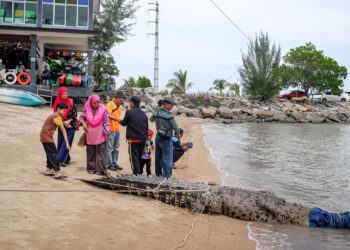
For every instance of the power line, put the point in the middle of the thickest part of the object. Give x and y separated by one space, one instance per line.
231 21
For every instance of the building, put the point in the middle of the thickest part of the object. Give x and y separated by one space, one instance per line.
30 29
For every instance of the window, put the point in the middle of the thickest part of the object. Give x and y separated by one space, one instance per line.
6 12
59 14
18 12
47 14
71 13
71 16
30 13
82 16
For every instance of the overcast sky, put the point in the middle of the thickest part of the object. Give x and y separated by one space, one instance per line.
196 37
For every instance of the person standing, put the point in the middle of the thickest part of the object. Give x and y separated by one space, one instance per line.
69 122
46 137
146 158
115 110
96 125
136 122
166 126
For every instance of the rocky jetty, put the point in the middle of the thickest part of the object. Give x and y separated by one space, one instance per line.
239 109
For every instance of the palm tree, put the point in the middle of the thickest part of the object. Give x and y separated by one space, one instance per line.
179 83
235 87
129 83
220 85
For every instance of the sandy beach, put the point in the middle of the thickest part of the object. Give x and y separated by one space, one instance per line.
72 215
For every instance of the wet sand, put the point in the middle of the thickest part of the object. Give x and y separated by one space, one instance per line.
72 215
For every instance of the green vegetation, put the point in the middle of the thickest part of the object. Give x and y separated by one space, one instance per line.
215 104
105 74
260 70
141 82
308 68
220 85
113 25
179 84
235 88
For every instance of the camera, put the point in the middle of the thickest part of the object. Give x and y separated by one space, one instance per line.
190 145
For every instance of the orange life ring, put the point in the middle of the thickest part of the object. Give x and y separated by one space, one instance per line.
23 78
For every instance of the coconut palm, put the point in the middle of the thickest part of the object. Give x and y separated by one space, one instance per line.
130 83
235 87
179 83
220 85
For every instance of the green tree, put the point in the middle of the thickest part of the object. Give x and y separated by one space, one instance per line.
236 88
309 69
220 85
260 70
131 82
112 25
179 83
104 70
143 82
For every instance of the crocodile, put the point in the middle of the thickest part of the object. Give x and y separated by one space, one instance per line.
244 204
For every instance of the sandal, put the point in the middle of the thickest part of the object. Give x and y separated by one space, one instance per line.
60 177
91 172
47 173
107 174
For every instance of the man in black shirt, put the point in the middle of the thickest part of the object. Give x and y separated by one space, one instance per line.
136 122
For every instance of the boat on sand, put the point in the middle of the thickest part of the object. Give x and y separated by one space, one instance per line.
21 97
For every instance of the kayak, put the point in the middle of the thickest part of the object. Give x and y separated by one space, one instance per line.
20 97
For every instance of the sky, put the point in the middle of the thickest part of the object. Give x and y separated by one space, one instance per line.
196 37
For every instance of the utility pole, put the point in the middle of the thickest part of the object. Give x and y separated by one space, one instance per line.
156 47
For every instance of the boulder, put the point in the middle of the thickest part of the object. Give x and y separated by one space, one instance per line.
208 113
299 107
280 116
314 117
236 112
298 115
225 113
246 110
262 114
333 118
181 109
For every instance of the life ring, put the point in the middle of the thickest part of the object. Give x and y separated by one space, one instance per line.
23 78
10 78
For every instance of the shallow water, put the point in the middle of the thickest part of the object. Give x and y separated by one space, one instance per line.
305 163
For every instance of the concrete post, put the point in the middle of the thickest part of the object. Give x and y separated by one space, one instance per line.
39 13
90 57
33 40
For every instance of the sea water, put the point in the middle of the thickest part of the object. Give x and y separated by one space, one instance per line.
304 163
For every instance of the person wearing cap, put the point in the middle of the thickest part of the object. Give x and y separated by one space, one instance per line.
166 126
114 109
136 122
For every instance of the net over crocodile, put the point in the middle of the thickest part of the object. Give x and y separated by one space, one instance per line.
233 202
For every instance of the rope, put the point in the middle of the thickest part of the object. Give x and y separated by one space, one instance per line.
187 236
191 231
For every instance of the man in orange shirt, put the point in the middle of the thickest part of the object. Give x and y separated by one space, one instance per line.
114 109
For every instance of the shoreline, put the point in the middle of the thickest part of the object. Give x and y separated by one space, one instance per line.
86 218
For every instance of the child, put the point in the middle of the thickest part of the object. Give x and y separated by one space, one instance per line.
146 155
46 137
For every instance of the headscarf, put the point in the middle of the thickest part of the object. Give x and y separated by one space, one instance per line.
100 113
60 100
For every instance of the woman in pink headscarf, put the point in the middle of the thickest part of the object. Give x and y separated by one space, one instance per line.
96 125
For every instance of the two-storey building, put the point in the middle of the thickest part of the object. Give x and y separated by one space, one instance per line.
48 25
